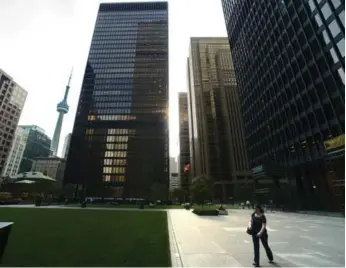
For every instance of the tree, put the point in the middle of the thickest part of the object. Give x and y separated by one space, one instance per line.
158 192
202 189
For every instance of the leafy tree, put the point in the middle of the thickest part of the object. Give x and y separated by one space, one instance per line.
202 189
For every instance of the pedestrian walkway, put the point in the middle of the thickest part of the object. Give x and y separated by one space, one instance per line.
296 240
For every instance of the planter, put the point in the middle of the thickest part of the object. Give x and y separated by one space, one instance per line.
206 212
223 212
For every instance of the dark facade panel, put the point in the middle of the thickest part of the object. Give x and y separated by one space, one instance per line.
120 136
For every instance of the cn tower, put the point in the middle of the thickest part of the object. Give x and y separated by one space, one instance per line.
62 109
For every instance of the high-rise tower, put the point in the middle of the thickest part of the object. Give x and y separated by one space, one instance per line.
120 134
62 109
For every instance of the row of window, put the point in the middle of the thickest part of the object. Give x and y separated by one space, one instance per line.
113 62
128 42
114 162
113 118
114 178
113 154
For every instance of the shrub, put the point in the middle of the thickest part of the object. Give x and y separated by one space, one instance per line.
206 212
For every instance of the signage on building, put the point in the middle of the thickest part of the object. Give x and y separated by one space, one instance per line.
335 143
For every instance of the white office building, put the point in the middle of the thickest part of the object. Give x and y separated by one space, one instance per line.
16 153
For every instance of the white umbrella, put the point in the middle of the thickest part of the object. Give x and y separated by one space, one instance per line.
34 176
25 182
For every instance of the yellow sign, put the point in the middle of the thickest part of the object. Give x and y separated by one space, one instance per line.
335 142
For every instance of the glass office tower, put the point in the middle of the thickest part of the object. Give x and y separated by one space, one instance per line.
120 136
289 61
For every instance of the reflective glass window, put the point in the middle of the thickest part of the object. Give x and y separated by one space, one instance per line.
318 20
334 28
341 47
341 73
336 3
326 11
342 17
326 37
334 56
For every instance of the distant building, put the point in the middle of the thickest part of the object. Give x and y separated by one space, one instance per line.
37 145
15 156
53 167
184 151
173 165
174 181
12 100
216 132
66 146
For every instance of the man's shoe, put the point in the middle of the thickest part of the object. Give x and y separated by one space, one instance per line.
271 261
256 264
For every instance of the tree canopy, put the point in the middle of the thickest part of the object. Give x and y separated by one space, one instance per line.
202 189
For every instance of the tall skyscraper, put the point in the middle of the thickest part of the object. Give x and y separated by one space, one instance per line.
12 100
184 147
289 59
37 145
66 145
120 135
216 132
16 153
62 109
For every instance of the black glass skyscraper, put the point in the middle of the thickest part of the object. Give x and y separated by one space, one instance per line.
120 136
289 61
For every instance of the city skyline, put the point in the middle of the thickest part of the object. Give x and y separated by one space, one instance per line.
45 27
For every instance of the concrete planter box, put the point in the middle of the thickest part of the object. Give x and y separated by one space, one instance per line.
223 212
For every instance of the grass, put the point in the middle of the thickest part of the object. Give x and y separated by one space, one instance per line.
59 237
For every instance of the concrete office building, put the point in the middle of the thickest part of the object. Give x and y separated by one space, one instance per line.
37 145
289 59
66 145
53 167
216 129
12 100
184 147
16 153
120 135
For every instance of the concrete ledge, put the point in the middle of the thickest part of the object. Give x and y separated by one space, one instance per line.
176 260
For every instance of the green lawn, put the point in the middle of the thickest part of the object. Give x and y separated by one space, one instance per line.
68 237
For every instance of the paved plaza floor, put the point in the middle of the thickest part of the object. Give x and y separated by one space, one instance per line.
295 239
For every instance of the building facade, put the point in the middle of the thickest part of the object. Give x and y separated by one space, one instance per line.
12 100
53 167
216 132
16 153
120 136
37 145
289 62
66 147
174 181
184 147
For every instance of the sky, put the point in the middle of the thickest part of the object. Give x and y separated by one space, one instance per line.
41 40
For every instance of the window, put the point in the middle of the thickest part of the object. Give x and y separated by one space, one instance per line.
342 17
342 75
326 37
326 11
318 20
312 5
334 56
334 28
341 47
336 3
